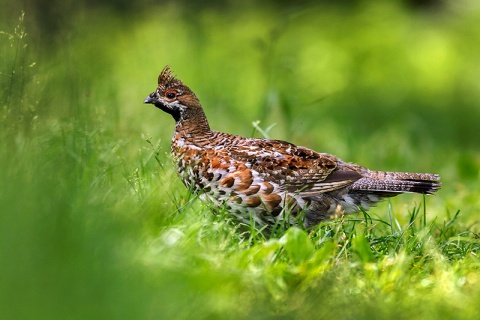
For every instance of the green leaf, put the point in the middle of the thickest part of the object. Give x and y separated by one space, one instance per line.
362 248
298 245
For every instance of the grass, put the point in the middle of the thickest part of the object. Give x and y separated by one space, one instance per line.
95 223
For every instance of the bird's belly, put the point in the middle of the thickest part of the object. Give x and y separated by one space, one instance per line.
243 193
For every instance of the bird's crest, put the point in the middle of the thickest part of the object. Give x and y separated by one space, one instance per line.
166 79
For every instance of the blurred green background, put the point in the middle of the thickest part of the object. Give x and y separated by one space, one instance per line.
87 187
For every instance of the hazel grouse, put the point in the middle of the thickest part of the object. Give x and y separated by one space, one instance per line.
270 180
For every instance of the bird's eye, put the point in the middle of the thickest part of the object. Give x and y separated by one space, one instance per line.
171 94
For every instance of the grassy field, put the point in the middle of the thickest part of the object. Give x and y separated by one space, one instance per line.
96 225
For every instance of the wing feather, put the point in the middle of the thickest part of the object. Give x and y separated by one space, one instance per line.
299 169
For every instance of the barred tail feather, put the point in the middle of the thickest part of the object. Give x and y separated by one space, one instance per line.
392 183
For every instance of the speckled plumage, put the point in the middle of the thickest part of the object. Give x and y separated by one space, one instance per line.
265 179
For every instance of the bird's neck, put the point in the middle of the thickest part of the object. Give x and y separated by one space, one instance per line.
192 126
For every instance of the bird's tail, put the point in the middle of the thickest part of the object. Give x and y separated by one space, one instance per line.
393 183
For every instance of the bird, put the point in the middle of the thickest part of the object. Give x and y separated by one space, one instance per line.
270 181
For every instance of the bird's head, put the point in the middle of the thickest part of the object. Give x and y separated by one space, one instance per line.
173 97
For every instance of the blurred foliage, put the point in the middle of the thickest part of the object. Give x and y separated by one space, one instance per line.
94 223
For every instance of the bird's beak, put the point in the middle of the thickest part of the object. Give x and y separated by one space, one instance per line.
152 98
149 99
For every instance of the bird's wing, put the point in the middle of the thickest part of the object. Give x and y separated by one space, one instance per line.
299 169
